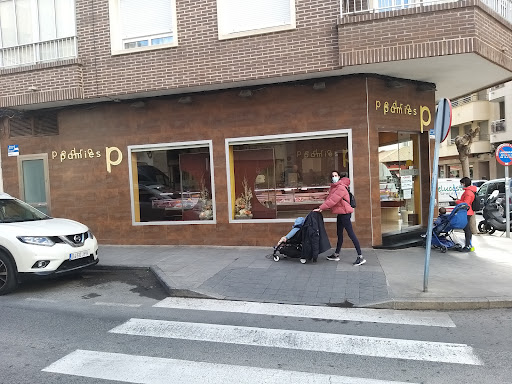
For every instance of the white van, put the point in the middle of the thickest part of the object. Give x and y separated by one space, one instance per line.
447 190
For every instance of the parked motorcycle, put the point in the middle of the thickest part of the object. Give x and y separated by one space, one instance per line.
494 215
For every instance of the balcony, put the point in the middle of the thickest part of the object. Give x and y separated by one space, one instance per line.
41 52
501 7
441 42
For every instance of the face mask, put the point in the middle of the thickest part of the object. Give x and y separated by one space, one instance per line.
335 179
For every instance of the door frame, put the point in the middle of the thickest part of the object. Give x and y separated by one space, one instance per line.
37 156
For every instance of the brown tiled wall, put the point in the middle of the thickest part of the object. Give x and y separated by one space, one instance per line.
84 190
435 30
201 58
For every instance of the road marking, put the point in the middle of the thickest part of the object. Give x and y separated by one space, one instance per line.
300 340
117 304
40 300
389 316
156 370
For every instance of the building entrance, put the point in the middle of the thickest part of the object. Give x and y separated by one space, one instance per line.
399 181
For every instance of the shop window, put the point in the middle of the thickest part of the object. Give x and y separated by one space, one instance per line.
172 183
142 25
247 17
284 178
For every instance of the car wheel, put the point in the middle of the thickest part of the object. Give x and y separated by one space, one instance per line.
8 278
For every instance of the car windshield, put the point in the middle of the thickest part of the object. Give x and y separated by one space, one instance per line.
15 211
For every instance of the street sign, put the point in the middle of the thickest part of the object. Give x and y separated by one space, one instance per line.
443 121
13 150
504 154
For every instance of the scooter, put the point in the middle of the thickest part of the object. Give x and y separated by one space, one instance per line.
494 215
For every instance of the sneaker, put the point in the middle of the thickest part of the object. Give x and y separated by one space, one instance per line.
359 261
465 249
334 257
472 249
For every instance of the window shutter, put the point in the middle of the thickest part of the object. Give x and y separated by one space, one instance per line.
141 18
247 15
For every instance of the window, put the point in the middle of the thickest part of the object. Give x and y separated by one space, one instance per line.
172 183
284 177
33 31
140 25
247 17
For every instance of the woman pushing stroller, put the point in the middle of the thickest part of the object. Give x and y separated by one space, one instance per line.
338 201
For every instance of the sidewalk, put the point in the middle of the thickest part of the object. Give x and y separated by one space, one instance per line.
389 279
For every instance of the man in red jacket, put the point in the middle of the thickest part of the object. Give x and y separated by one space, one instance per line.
467 197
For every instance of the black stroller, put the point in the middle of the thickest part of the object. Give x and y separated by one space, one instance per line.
293 246
309 240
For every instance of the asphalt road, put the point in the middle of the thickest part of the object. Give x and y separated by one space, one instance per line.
119 327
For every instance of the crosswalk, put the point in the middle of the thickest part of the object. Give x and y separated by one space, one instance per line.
131 368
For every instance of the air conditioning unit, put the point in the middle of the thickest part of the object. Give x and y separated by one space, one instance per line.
498 126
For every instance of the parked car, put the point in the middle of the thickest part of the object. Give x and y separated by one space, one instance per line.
489 186
478 183
34 244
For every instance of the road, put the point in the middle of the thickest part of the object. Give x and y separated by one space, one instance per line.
111 328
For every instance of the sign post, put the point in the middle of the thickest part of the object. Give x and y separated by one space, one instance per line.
504 157
442 126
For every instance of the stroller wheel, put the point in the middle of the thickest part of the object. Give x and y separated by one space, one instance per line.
276 257
303 261
443 249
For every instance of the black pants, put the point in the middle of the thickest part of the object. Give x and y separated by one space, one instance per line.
343 222
468 234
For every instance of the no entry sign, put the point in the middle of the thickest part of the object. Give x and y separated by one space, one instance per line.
504 154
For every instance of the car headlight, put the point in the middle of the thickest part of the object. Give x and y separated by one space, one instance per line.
37 240
90 235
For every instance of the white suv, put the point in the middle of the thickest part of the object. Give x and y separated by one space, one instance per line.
32 243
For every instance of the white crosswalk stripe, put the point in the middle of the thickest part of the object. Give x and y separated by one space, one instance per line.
154 370
310 341
389 316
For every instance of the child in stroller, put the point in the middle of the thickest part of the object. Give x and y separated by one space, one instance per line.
291 244
442 232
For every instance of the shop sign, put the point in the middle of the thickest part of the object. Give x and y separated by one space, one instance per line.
410 172
88 154
396 108
13 150
406 182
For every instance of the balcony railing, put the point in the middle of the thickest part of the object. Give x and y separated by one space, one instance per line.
498 126
469 99
40 52
502 7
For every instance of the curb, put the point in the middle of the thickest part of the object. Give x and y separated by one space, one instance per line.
443 303
399 303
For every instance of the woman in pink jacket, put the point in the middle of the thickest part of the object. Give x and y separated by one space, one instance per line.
338 201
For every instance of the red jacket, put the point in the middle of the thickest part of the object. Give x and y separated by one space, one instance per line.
338 200
467 197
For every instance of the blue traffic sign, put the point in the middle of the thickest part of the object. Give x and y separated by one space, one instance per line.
504 154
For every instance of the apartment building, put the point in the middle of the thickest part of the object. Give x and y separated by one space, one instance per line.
219 121
487 109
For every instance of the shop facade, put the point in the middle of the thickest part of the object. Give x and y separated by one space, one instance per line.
229 167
